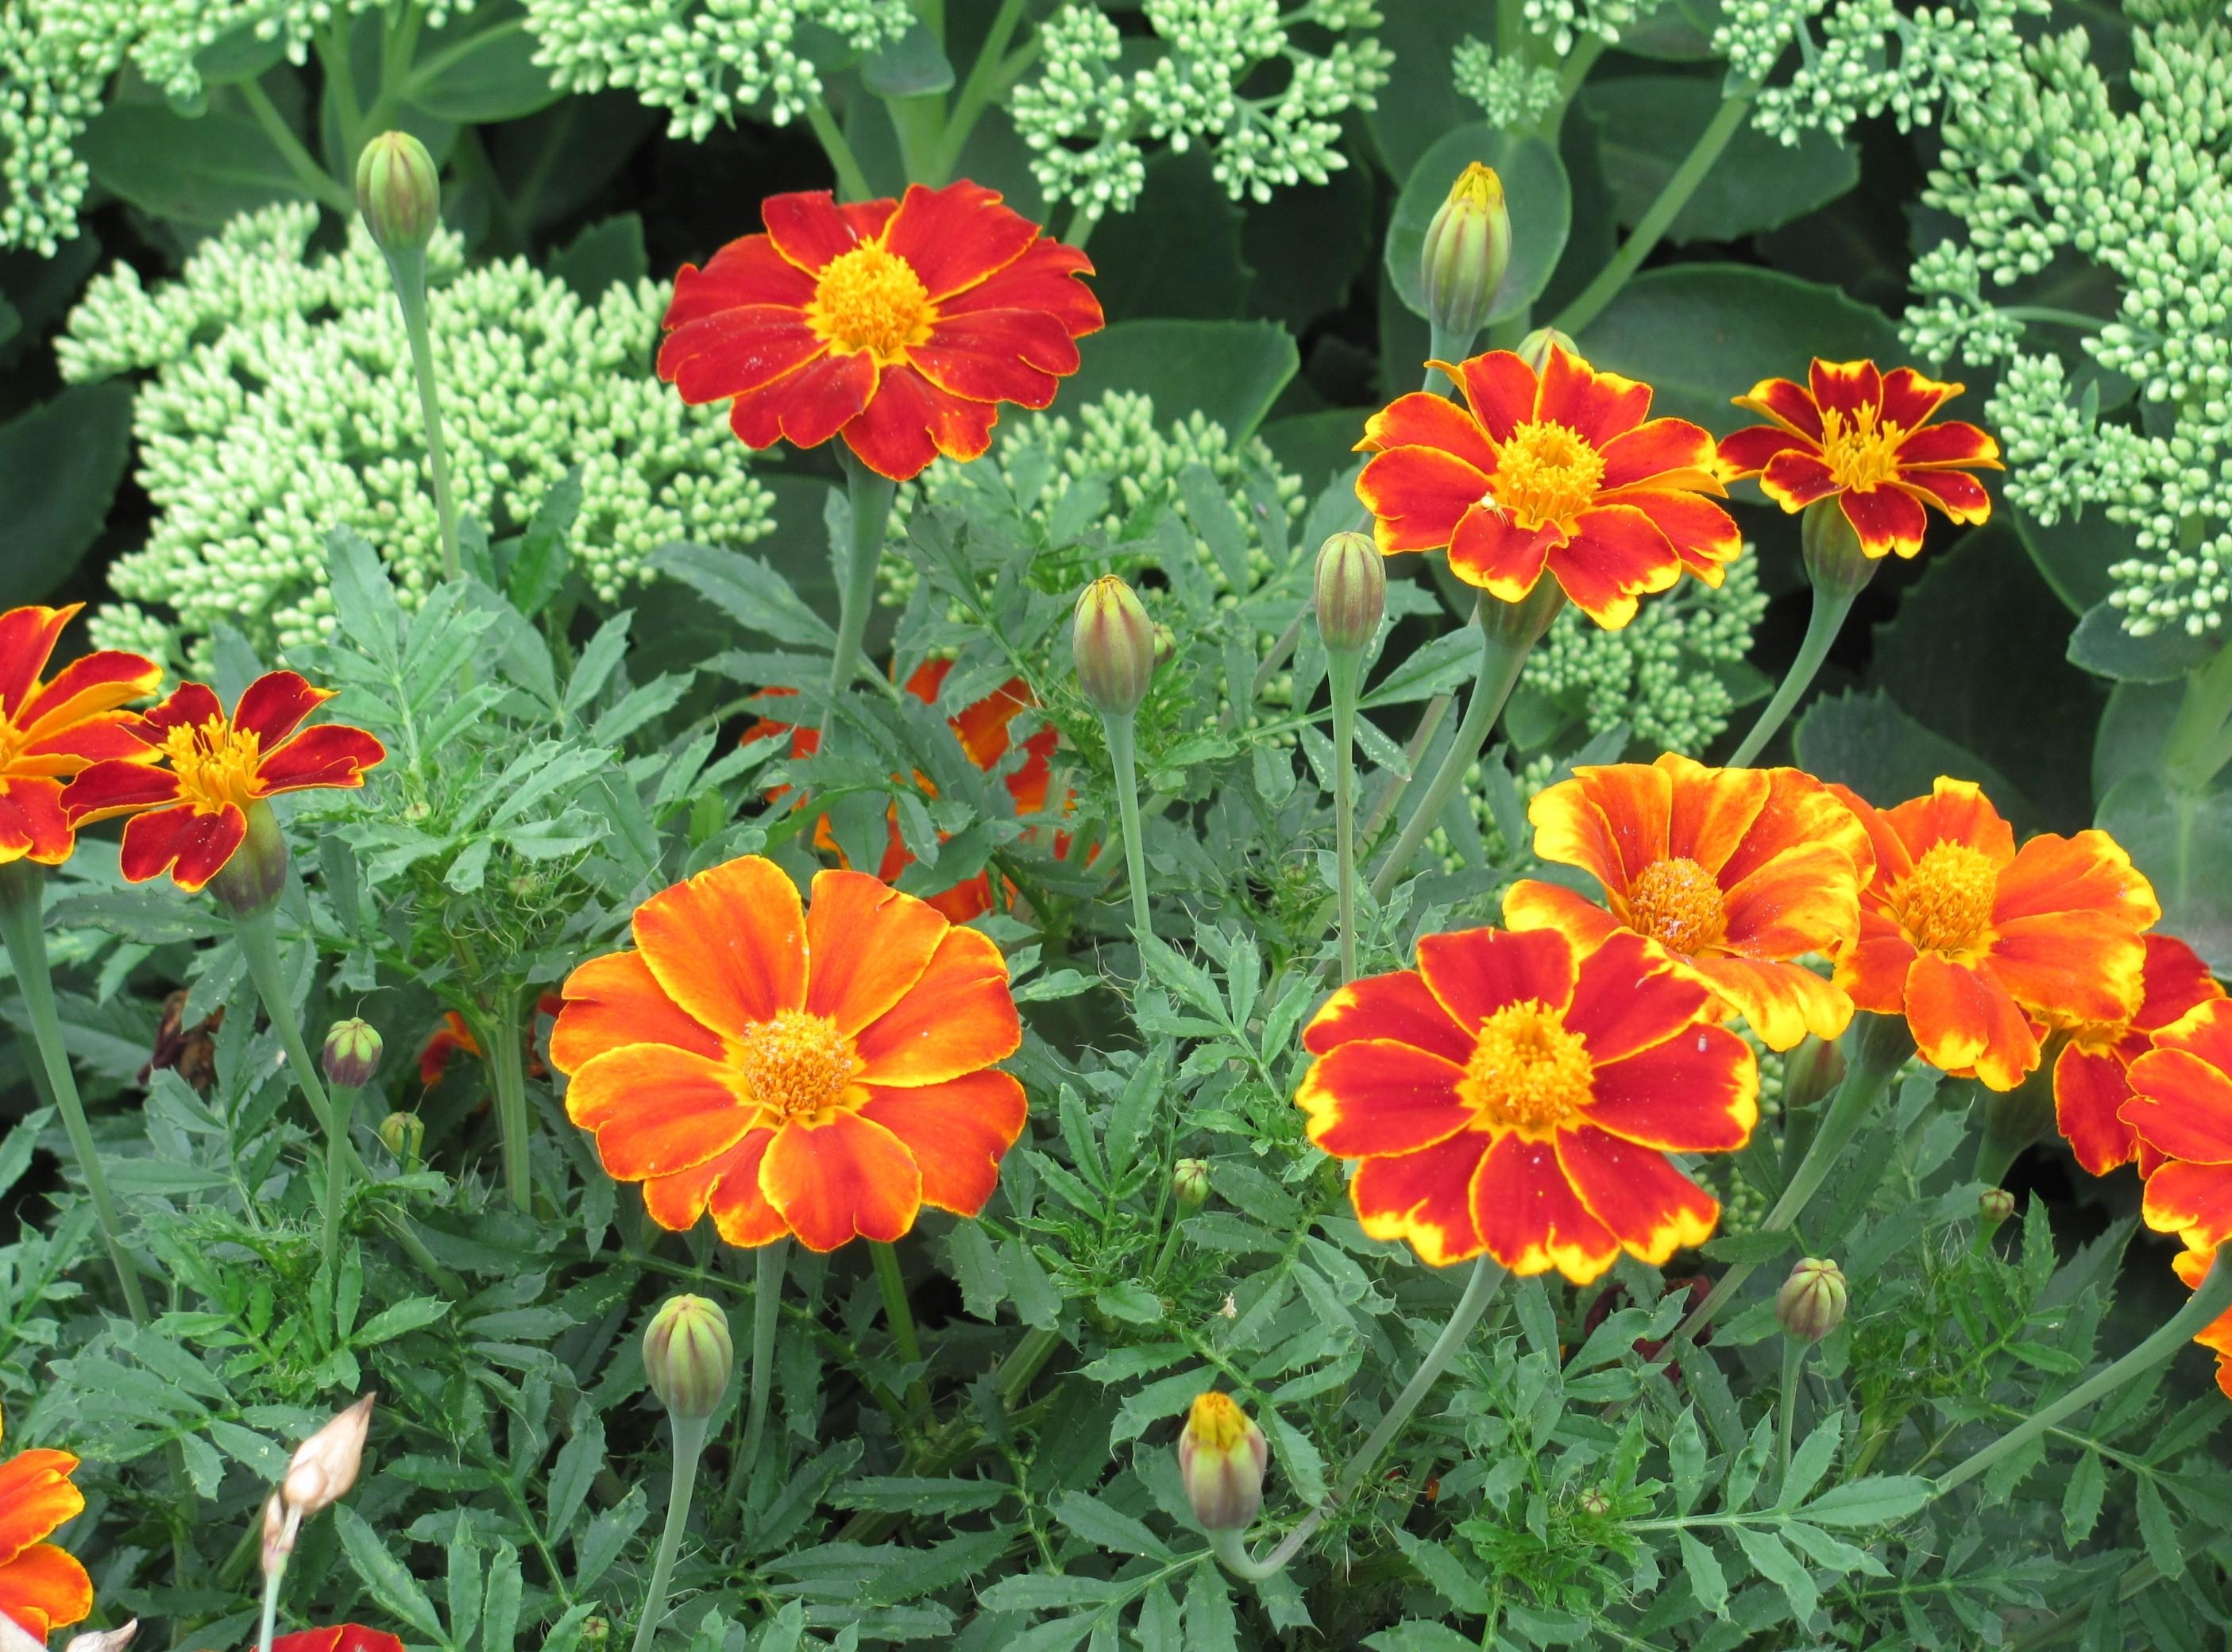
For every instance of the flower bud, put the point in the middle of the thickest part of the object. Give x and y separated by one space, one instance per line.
404 1136
687 1355
1534 349
399 192
1995 1205
1810 1071
596 1633
113 1640
1466 246
1830 550
1189 1183
1222 1456
1352 592
1811 1303
1114 643
1166 645
352 1055
325 1465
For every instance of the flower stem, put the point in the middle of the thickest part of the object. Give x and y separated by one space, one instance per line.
314 178
900 1318
1444 346
273 1576
258 935
1124 759
1794 1356
1342 668
408 271
1821 629
2212 1298
23 922
767 1317
987 76
851 182
869 497
689 1445
344 1103
503 1042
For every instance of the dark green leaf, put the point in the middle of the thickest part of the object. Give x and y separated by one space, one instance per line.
607 253
205 172
2102 646
1229 371
59 467
1651 121
910 66
472 72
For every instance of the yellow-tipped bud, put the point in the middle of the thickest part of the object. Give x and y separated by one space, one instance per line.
404 1136
1811 1303
399 192
688 1356
1222 1457
1114 643
1534 349
1467 248
1189 1183
352 1055
1352 592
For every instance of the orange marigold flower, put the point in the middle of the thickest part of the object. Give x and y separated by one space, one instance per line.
1563 474
2181 1109
1516 1095
1970 939
341 1638
823 1074
188 818
1735 871
2192 1267
900 325
1866 437
451 1037
2092 1076
41 1587
52 730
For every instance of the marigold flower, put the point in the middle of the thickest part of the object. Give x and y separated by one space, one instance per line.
2192 1267
1517 1095
823 1074
1865 437
2181 1109
1735 871
900 325
52 730
41 1587
1970 939
1562 473
341 1638
2091 1075
189 817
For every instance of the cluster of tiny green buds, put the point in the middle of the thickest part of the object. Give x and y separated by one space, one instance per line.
1351 592
1222 1457
1189 1183
1115 646
1830 550
1467 248
1534 349
352 1055
687 1357
404 1136
1811 1303
399 192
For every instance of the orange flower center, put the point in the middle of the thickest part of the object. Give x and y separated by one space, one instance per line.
1677 903
1527 1071
1546 473
1947 899
216 764
798 1066
1859 452
870 300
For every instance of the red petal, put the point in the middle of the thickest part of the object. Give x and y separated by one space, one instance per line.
1653 449
109 789
957 236
1423 1198
32 825
1703 534
613 1000
910 422
1474 973
331 754
748 271
2089 1092
729 946
1963 1020
958 1017
1417 495
1421 420
273 707
27 636
957 1132
1375 1097
1627 999
1959 495
1529 1217
1495 554
1952 443
1909 399
1599 405
1528 904
1788 405
2176 980
656 1110
1696 1092
1796 478
189 705
1887 520
809 229
1002 355
866 944
1956 812
189 844
1748 452
1501 389
733 351
1396 1007
86 686
1873 970
843 1179
807 407
1044 281
1846 387
1648 1205
1616 553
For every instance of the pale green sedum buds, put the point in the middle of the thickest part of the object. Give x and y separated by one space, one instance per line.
1811 1303
1467 248
687 1354
352 1055
1351 592
399 192
1222 1457
1115 645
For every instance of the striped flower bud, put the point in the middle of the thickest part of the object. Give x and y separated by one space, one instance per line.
687 1355
1811 1303
399 192
1352 592
1467 247
352 1055
1114 643
1189 1183
1534 349
1222 1456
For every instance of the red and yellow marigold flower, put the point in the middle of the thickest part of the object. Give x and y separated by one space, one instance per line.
2192 1268
1737 872
1517 1095
2091 1075
189 809
1864 437
900 325
42 1588
1563 475
51 730
1974 941
2181 1109
341 1638
821 1073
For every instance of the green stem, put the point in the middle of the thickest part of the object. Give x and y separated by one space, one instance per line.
1082 217
985 80
767 1317
23 922
1125 759
314 178
344 1100
918 124
1575 69
334 59
1452 347
258 935
689 1445
900 1318
1821 628
269 1619
1794 1356
869 498
408 271
1343 668
2212 1298
851 182
2187 754
503 1047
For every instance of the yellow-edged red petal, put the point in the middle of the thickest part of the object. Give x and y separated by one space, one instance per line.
1420 419
1373 1097
2192 1201
1696 1092
1417 495
1396 1007
1474 973
1423 1198
1600 406
1963 1020
1627 996
1530 1219
1646 1204
613 1000
1617 553
2090 1089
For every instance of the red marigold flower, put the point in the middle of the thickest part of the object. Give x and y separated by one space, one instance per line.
1516 1095
341 1638
42 1588
1564 474
900 325
52 730
2192 1267
2092 1076
187 819
452 1036
2181 1109
823 1074
1866 437
1970 939
1735 871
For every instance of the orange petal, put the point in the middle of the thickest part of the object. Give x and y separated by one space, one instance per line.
1800 809
1954 812
1423 420
2070 966
1782 1002
1616 554
1710 810
44 1589
1873 971
729 946
958 1017
656 1110
1396 1007
1500 388
866 944
36 1497
613 1000
1417 495
1374 1097
1645 1203
2176 980
1423 1198
1474 973
1696 1092
2088 872
1599 405
2180 1106
1625 827
729 1185
843 1179
1530 1219
1629 997
2090 1090
1495 554
957 1132
1806 899
1529 904
1963 1020
2192 1201
2204 1031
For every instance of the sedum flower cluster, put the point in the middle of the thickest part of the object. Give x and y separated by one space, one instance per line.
2058 165
280 407
1512 91
1085 117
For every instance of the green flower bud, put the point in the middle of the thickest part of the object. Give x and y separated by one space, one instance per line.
250 881
1222 1456
352 1055
1811 1303
403 1135
1831 549
1466 246
1810 1071
399 192
687 1355
1189 1183
1995 1205
596 1634
1114 643
1535 348
1352 592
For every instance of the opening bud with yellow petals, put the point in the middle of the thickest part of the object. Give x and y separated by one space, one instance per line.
352 1055
1467 246
687 1354
1811 1303
1352 592
1222 1457
399 192
1115 645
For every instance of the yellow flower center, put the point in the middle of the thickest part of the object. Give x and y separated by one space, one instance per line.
1859 452
1547 474
1947 900
1527 1071
798 1066
870 300
216 764
1217 1423
1677 903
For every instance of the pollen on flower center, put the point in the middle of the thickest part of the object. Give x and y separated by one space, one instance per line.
216 764
870 300
1947 900
1546 473
1527 1070
797 1065
1677 903
1859 452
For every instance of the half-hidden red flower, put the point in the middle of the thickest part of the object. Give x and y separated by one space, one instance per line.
341 1638
1736 871
42 1588
52 730
2192 1268
189 815
821 1073
1564 475
451 1037
2092 1076
1973 940
1516 1095
900 325
2181 1108
1865 437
